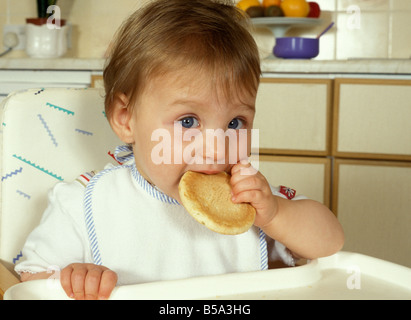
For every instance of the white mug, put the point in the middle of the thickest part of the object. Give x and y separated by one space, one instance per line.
42 42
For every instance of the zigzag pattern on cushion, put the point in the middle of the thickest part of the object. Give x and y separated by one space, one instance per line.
48 135
38 167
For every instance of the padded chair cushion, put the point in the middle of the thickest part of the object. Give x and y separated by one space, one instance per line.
47 136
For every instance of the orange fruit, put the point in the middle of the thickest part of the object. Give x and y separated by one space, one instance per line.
295 8
245 4
268 3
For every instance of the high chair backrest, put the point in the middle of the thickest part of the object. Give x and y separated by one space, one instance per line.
47 136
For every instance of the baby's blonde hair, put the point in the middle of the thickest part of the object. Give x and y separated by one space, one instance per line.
167 35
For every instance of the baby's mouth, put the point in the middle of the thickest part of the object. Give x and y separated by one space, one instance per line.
209 171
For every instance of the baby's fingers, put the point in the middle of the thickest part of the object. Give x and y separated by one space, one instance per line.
72 280
92 284
245 189
88 281
107 284
99 283
243 168
65 280
78 276
247 196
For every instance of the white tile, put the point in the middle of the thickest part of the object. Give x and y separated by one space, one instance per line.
400 35
369 39
401 5
365 5
327 5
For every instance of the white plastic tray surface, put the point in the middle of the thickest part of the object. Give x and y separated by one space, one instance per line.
346 276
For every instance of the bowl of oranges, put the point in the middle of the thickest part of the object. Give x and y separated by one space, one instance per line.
279 16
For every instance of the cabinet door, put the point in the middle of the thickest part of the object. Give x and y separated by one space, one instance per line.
373 203
308 176
293 116
372 119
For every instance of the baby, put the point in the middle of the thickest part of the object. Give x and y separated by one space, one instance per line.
191 66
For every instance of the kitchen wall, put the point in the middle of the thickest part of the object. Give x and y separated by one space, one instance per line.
364 28
383 29
94 22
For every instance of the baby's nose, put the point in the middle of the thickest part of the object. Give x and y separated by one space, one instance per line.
217 145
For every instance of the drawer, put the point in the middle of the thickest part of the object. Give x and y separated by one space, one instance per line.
293 116
308 176
372 201
372 119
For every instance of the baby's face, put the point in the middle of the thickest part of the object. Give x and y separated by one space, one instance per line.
181 123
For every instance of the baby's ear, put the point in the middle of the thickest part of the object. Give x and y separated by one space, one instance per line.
120 118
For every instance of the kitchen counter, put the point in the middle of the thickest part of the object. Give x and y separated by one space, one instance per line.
269 65
352 66
51 64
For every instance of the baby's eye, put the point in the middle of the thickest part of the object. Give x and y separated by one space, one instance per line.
235 124
189 122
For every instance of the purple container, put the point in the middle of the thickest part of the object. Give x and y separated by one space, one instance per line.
297 48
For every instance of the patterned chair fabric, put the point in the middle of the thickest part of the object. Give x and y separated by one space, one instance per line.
47 136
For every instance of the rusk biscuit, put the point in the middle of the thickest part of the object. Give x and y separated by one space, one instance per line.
207 198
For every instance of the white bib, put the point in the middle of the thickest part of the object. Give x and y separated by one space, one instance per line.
144 235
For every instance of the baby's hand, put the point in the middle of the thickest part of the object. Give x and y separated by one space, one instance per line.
86 281
254 189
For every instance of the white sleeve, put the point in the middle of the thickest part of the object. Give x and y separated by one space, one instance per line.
61 237
276 250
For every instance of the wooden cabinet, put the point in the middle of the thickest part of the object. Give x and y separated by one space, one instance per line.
351 137
373 203
294 122
308 176
293 116
372 119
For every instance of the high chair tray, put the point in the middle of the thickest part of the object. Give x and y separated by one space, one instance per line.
341 276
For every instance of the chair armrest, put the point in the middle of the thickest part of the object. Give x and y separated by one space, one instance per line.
7 280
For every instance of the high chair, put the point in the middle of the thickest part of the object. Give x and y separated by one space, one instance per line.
47 136
53 135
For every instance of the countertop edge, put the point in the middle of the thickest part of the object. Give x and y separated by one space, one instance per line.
355 66
69 64
269 65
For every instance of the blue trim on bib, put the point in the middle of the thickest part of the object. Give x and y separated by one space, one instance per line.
126 150
150 189
263 250
88 208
